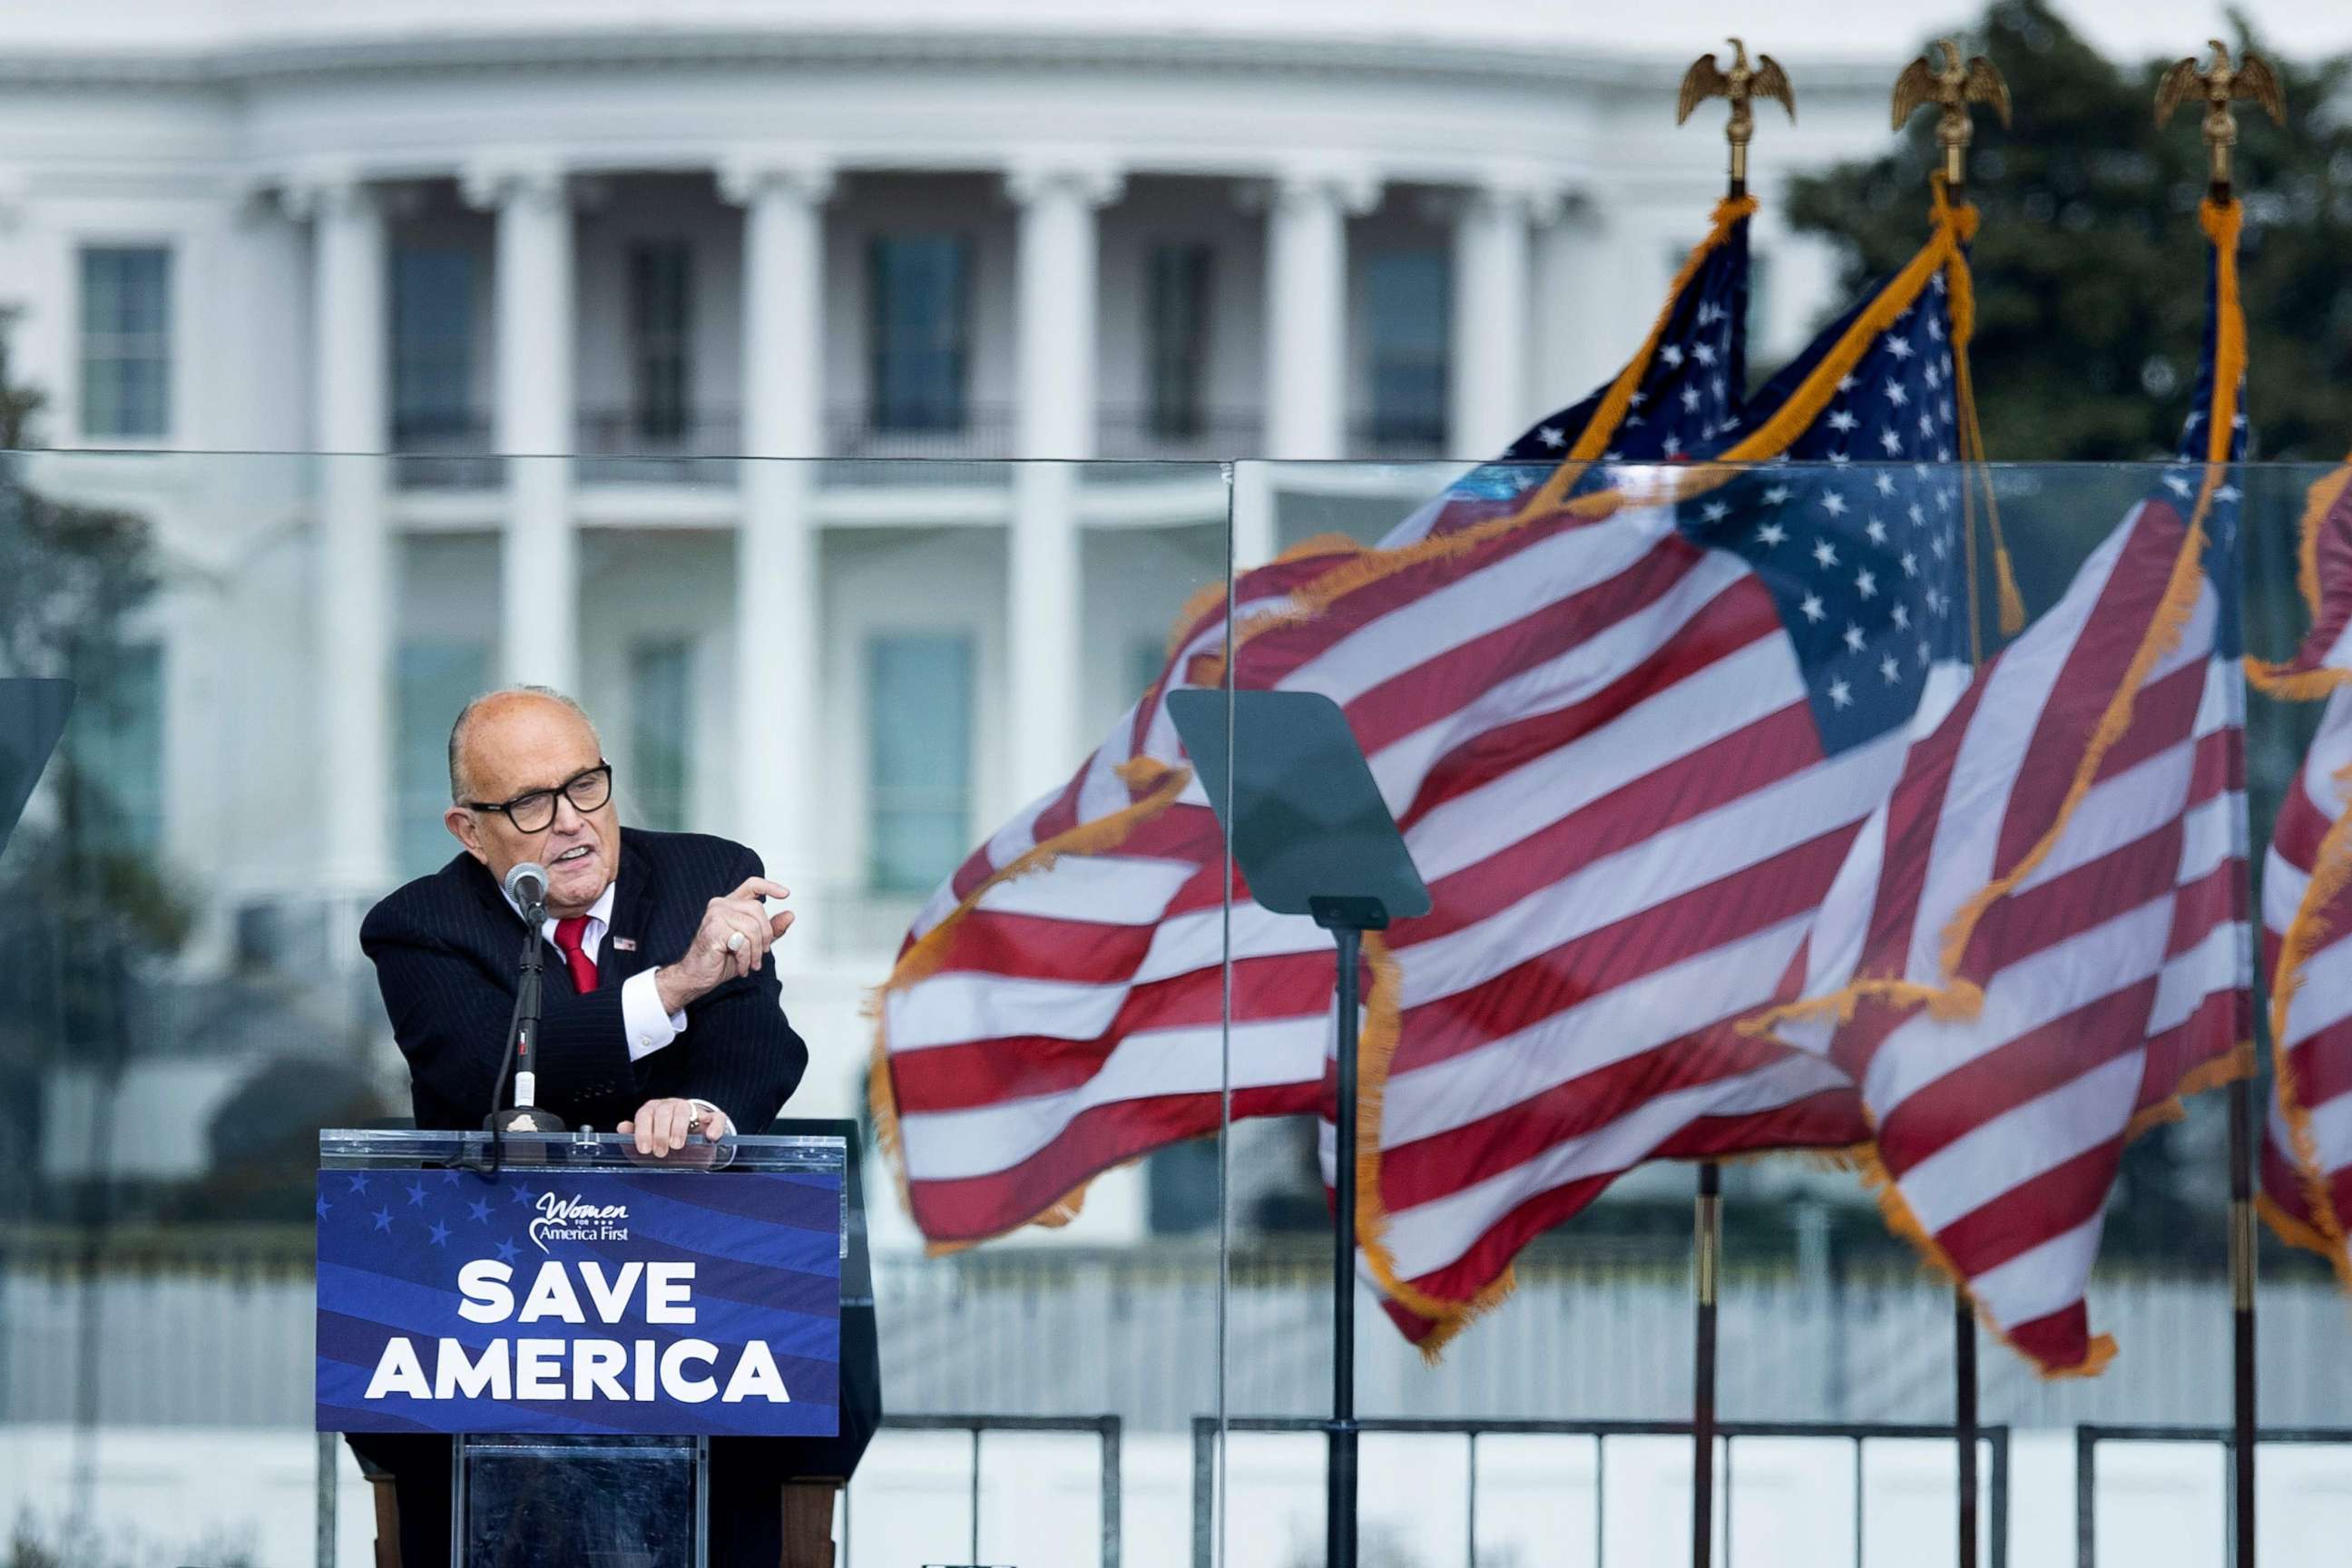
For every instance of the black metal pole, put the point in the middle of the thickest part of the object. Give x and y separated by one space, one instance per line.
1707 1239
1340 1501
2242 1294
1964 1420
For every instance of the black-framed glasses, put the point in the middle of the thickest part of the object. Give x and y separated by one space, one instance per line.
535 812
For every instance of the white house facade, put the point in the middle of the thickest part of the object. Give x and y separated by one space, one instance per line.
635 334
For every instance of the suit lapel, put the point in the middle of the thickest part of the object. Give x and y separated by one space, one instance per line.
633 899
503 924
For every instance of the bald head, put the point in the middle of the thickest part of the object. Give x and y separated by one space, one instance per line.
500 718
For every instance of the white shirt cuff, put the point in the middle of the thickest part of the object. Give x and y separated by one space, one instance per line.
649 1027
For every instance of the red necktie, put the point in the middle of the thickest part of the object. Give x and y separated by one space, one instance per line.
569 934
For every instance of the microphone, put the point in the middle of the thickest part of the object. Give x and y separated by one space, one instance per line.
527 886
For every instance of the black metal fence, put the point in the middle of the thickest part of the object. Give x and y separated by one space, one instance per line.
1106 1430
1856 1434
2090 1434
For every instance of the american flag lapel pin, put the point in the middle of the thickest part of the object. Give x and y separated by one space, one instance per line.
625 944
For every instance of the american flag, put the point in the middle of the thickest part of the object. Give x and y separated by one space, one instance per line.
1676 712
1683 392
2306 1160
1680 395
1626 859
1055 1008
2040 940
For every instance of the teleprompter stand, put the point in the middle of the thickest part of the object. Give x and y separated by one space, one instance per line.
1306 824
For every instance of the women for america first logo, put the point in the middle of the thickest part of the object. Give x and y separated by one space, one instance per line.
575 1219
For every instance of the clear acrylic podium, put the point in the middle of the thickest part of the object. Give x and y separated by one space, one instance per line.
629 1501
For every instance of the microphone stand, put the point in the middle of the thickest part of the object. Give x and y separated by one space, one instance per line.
522 1035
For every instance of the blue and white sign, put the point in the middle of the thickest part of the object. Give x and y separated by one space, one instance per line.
595 1301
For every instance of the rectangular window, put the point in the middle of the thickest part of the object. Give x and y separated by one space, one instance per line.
661 713
126 342
918 729
920 286
432 345
661 338
115 741
1178 328
1409 320
434 681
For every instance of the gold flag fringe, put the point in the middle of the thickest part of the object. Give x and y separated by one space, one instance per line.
1162 785
1946 253
1902 1222
1954 996
1951 996
1961 287
2331 873
1601 428
2291 680
2294 680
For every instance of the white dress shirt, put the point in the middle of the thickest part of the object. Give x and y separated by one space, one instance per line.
648 1028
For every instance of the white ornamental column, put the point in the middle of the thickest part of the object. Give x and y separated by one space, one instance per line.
1306 310
1489 402
1575 319
538 580
357 580
1054 301
777 603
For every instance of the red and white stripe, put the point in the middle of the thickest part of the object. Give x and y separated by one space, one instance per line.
2306 1159
2107 976
1616 880
1596 739
2307 1166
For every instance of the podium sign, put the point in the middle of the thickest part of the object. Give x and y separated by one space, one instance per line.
545 1299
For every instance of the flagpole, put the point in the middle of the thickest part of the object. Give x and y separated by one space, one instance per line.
2247 80
2241 1304
1951 88
1964 1419
1339 1470
1741 85
1707 1228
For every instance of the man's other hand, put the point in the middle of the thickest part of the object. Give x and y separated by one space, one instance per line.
731 943
663 1126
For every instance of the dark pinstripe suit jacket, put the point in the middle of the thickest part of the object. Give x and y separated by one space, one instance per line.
445 949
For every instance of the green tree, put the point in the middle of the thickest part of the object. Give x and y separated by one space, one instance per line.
82 904
2089 267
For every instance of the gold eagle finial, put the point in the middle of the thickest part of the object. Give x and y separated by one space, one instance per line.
2250 80
1954 88
1742 84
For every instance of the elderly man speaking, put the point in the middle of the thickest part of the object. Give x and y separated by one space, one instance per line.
671 1020
661 1018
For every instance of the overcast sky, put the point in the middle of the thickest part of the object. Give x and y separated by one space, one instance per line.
1796 31
2123 28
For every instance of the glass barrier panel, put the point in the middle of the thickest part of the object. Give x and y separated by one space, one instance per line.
1861 862
910 688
